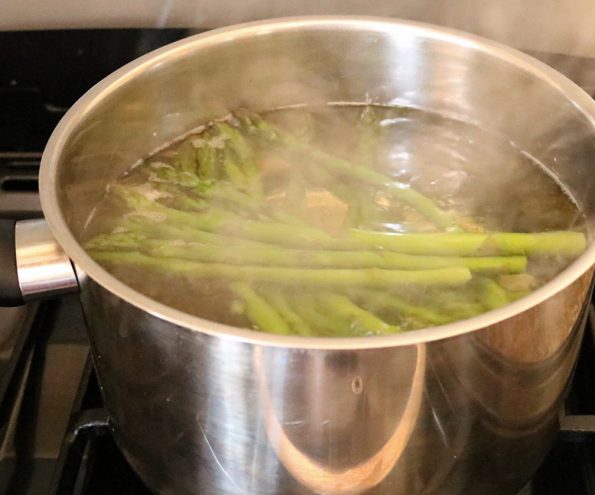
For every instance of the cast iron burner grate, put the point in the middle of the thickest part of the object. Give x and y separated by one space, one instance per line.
90 462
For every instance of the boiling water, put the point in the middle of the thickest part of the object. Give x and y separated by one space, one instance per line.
479 179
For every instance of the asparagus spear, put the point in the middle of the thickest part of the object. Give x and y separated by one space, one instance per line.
149 229
322 178
457 304
397 304
491 294
322 323
259 311
282 306
223 193
337 259
343 306
521 283
399 191
164 173
263 254
233 171
125 241
225 222
208 168
361 267
461 244
462 309
236 143
366 277
563 243
186 158
169 179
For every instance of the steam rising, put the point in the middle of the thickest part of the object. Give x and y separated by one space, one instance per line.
310 150
553 27
478 177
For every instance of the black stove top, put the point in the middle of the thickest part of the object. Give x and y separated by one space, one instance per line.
54 434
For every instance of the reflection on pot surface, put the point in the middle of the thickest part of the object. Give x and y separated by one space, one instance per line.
234 418
361 420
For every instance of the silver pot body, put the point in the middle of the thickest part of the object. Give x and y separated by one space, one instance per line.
200 408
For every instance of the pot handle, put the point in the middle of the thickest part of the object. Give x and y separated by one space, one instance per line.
32 263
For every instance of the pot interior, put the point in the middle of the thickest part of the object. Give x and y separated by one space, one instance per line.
263 66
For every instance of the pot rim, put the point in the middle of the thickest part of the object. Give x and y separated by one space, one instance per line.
50 166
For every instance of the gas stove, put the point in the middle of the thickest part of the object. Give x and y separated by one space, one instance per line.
54 434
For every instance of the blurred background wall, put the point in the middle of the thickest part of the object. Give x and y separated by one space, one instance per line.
560 26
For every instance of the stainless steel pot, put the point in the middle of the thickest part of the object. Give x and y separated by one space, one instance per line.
202 408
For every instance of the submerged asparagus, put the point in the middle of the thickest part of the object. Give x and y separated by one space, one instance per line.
400 191
455 243
226 222
265 254
344 307
336 259
365 277
259 311
325 323
392 302
283 307
206 215
474 243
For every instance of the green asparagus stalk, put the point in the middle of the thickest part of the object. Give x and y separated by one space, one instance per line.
223 193
366 277
205 217
340 166
329 322
173 196
288 218
225 222
125 241
185 160
320 177
460 244
163 173
208 166
236 143
457 304
491 294
259 311
564 243
463 309
149 229
234 174
168 179
321 323
264 255
157 229
279 302
519 284
399 305
344 307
